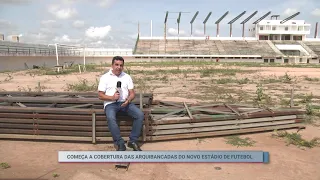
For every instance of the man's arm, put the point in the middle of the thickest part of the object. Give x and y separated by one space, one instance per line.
131 96
104 97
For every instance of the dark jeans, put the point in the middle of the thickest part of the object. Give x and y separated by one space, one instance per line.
133 111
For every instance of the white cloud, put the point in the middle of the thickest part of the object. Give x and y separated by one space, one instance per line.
78 24
198 32
316 12
50 24
15 1
98 32
133 36
174 32
59 13
69 1
106 3
65 39
290 11
5 24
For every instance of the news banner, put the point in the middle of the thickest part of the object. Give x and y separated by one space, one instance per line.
165 156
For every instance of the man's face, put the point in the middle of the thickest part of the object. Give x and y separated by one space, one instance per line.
117 67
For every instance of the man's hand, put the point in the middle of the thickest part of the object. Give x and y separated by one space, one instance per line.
125 103
116 96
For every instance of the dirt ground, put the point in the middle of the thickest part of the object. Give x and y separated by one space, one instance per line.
39 160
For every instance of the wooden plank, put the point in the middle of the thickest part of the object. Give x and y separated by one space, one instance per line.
223 132
56 132
85 94
189 113
178 120
20 104
61 122
216 128
219 123
43 137
80 106
87 128
93 128
169 114
210 111
232 109
146 101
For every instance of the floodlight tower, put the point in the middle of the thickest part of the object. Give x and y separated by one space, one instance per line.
234 20
316 31
219 20
192 20
165 25
205 21
246 20
290 17
178 21
260 19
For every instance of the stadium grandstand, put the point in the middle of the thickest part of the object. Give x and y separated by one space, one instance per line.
270 40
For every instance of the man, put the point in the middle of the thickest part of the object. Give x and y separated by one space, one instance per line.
119 100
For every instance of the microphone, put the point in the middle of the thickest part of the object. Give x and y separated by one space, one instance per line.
118 86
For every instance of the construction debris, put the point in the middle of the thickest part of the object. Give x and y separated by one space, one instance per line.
80 117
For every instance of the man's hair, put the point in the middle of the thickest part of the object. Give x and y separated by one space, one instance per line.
117 58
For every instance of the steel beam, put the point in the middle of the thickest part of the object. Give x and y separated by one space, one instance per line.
205 21
290 17
219 20
178 21
234 20
192 20
246 20
261 18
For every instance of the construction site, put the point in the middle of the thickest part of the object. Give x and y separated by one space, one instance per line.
196 93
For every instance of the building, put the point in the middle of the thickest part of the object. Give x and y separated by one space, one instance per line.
296 30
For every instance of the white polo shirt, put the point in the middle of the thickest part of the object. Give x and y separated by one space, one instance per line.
108 84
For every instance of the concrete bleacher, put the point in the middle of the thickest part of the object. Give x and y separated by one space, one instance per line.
206 47
314 46
18 48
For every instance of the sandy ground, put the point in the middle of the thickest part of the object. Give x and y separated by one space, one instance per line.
38 160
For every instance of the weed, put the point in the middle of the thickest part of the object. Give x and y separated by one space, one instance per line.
55 175
237 141
83 86
296 139
286 78
4 165
311 79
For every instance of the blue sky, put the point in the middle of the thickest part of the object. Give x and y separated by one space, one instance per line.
114 23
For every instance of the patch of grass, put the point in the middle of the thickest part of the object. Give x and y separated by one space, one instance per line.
69 70
271 80
238 141
261 97
83 86
229 80
55 175
286 78
296 139
4 165
311 79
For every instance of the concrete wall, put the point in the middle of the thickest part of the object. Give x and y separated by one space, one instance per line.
9 63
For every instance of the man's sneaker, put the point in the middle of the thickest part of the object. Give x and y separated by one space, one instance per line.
121 147
134 146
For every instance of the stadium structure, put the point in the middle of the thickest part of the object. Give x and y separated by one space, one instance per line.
271 40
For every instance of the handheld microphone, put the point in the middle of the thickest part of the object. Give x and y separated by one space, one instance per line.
118 86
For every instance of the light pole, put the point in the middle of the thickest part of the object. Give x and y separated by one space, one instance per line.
56 45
